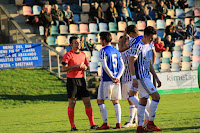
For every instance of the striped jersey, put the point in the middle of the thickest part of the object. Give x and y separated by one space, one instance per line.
142 64
149 49
126 77
134 40
113 61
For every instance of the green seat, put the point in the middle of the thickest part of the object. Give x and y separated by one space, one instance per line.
131 23
112 27
165 60
186 59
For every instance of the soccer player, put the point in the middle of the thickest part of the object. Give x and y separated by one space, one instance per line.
140 66
126 83
109 88
75 63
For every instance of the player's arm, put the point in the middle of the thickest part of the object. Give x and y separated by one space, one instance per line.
155 75
66 68
132 60
121 68
154 56
106 69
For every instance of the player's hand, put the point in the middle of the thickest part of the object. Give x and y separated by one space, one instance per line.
135 83
159 82
116 80
83 67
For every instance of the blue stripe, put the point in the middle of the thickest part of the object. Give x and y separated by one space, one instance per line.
155 100
116 103
142 104
101 104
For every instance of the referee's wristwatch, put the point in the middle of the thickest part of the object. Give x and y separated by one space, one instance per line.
134 77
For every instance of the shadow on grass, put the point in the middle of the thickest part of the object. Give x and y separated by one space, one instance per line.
51 97
181 128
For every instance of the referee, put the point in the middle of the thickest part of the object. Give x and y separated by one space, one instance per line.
75 63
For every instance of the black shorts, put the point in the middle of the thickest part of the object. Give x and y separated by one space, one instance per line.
76 87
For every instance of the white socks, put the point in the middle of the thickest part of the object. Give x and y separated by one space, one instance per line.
103 112
118 112
152 109
132 113
140 112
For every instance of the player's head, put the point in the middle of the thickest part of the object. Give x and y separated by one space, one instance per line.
105 38
132 31
149 33
75 42
126 38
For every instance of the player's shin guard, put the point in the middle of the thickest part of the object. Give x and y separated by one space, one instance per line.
132 112
152 109
89 112
103 112
118 112
140 112
71 116
134 100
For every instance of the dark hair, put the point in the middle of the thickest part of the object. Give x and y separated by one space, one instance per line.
106 36
126 38
191 19
72 38
131 28
149 30
171 23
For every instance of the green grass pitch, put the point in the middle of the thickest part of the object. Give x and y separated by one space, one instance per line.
34 101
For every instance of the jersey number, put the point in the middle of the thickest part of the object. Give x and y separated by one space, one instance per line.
114 59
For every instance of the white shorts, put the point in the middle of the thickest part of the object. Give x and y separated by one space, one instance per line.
125 89
145 88
109 90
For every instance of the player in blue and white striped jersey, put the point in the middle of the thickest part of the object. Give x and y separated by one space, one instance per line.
110 88
140 66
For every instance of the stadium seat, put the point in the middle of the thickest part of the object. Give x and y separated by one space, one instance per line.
85 7
171 13
195 58
19 2
157 60
160 24
99 47
189 42
196 47
88 55
103 27
41 30
186 59
36 10
195 64
158 54
160 33
176 21
93 37
197 21
63 29
176 59
131 23
177 48
165 67
151 23
104 6
119 34
112 27
175 65
168 21
156 67
95 53
186 66
61 50
196 52
141 25
176 54
54 30
27 11
197 42
93 28
114 37
84 18
95 59
187 48
165 60
76 18
51 40
73 29
179 43
121 26
190 3
197 12
189 12
62 40
93 66
166 54
175 69
179 13
187 53
83 28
